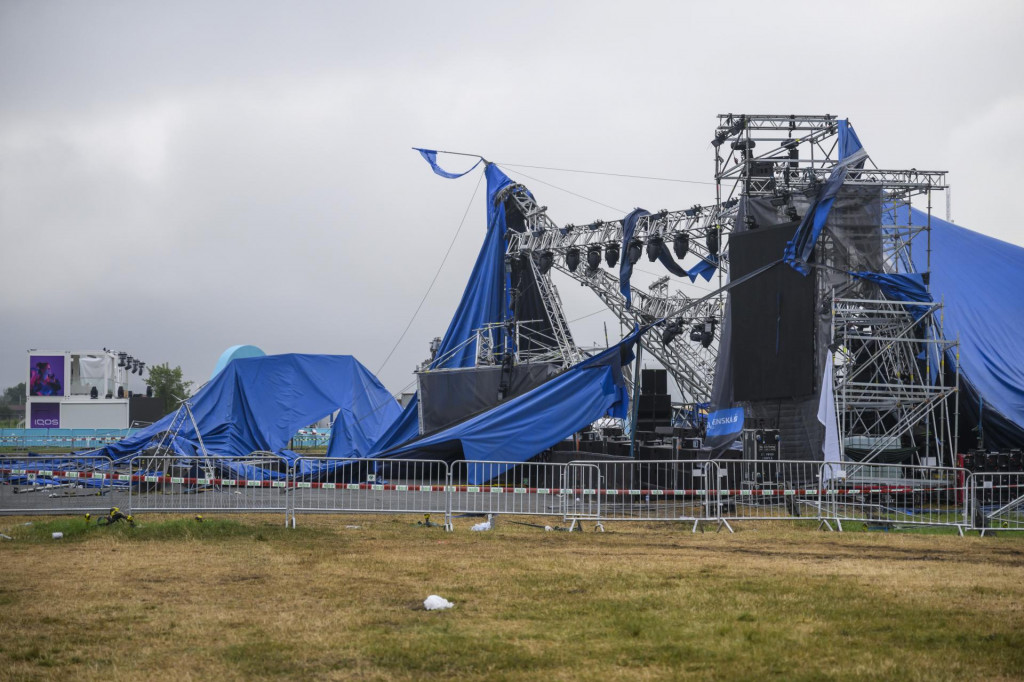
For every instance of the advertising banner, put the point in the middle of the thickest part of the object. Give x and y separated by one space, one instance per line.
46 375
45 416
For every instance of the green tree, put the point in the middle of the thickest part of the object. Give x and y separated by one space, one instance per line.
15 395
168 385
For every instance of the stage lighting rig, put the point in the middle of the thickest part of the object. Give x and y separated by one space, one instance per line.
654 247
572 259
611 254
545 261
681 245
593 258
711 240
634 251
672 330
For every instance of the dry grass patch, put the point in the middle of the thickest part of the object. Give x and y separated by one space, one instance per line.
242 598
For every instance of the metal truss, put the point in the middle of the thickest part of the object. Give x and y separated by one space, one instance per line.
753 157
690 364
890 377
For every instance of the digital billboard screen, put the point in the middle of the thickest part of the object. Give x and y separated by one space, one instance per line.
46 375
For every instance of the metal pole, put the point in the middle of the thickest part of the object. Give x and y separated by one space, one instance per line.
636 401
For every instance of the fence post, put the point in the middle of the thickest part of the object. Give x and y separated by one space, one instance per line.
448 486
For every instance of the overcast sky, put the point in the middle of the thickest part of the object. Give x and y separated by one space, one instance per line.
180 177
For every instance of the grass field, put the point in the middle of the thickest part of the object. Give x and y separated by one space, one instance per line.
241 598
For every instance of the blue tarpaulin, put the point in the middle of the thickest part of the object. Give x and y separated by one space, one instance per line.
430 156
524 426
625 266
980 282
257 404
908 287
484 300
851 155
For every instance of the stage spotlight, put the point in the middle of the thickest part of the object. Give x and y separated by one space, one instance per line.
572 259
633 252
593 258
611 255
120 391
750 222
94 393
672 330
654 246
121 357
791 213
142 366
712 241
545 261
681 245
708 332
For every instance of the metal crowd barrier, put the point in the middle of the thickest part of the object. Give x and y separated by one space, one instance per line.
514 488
59 485
359 485
720 491
171 483
997 500
647 490
771 490
888 495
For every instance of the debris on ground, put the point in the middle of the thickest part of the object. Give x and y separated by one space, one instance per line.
436 603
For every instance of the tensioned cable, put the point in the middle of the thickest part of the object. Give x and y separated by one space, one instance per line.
436 275
567 191
613 175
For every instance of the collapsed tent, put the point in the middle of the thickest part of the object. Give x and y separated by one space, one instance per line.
980 282
259 403
522 427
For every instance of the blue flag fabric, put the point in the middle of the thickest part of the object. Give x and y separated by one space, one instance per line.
625 267
485 299
430 156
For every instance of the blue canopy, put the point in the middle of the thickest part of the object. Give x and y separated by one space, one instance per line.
484 300
259 403
980 281
524 426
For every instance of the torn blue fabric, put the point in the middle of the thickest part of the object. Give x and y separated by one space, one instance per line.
849 143
704 268
257 404
431 157
525 426
485 299
907 287
625 267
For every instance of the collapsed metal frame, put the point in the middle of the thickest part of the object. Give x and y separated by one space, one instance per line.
883 394
691 365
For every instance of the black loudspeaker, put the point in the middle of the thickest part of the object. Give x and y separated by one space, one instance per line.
654 381
772 317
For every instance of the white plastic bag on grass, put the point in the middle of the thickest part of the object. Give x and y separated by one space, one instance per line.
435 603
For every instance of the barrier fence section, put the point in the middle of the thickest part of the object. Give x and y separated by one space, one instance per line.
43 484
997 500
768 490
171 483
635 490
509 488
892 494
65 439
649 490
358 485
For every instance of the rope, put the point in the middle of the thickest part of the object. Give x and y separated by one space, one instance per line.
436 275
614 175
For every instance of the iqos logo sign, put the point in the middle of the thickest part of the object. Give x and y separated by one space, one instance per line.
46 422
